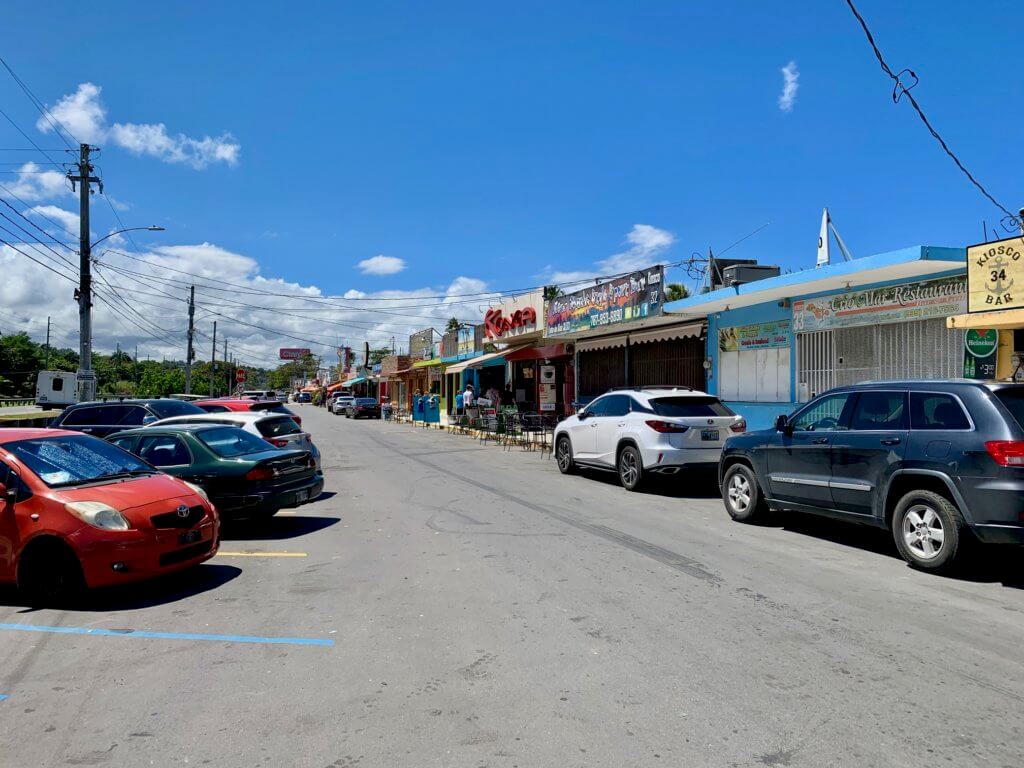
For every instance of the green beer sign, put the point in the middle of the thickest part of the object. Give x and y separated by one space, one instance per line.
980 345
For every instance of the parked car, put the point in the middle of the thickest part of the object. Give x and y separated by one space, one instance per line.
103 417
260 394
642 430
933 461
223 404
304 397
363 408
340 404
279 431
242 474
78 512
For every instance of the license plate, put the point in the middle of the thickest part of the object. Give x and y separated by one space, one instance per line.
301 497
709 434
189 537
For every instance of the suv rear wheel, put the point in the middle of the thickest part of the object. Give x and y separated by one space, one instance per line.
742 494
927 530
631 468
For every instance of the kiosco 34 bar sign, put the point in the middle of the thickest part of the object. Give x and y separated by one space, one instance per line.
632 297
995 275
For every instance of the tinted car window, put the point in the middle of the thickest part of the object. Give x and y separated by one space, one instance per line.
70 460
365 401
164 451
78 416
932 410
10 480
618 405
232 441
824 415
277 427
1013 399
880 410
167 408
689 406
124 443
599 407
213 408
128 415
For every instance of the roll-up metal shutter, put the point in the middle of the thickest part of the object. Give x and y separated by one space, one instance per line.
674 361
599 370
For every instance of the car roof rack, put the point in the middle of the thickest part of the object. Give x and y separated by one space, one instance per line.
640 388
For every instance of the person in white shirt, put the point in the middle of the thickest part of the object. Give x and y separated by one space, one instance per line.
467 397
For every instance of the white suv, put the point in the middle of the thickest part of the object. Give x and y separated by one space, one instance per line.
639 430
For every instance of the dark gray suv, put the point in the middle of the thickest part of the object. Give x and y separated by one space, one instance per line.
929 460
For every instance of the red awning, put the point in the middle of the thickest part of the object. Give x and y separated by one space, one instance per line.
538 353
335 386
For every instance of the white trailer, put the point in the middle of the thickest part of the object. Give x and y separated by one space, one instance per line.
56 389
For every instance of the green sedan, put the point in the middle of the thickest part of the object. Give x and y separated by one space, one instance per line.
243 475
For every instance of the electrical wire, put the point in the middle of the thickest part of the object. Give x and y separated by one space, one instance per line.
43 215
29 138
1010 221
56 124
32 258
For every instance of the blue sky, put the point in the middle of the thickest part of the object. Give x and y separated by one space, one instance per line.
505 145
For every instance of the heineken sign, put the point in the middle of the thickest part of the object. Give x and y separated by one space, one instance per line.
980 345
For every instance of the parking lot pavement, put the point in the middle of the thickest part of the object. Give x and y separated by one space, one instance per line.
451 604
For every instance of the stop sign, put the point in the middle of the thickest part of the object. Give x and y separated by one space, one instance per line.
240 375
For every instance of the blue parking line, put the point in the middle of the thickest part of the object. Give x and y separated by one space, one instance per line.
168 635
3 696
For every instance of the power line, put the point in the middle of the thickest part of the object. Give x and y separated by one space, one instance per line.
40 213
29 139
47 115
1010 221
32 258
35 239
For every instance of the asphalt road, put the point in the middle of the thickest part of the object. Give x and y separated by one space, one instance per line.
452 604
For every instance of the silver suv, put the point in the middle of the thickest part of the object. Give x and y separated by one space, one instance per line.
639 430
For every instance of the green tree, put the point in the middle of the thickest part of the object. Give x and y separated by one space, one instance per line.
376 355
676 291
20 360
551 292
453 324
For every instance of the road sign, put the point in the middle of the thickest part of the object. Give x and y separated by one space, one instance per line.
240 375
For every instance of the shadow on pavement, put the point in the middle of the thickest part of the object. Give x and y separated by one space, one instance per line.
287 527
686 484
145 594
324 495
988 565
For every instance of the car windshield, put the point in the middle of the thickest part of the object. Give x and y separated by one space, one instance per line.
75 459
228 442
1013 399
689 406
167 408
277 427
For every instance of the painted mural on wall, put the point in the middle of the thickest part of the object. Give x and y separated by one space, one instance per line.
632 297
892 304
775 333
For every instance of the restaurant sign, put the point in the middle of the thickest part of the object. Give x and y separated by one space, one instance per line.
755 336
995 275
892 304
633 297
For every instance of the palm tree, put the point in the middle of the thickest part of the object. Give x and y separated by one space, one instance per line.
676 291
453 324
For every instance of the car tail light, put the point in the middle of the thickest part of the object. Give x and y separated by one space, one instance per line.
297 420
278 442
666 427
260 473
1007 453
739 426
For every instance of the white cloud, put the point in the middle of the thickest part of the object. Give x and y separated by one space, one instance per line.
790 85
67 219
647 246
37 183
85 116
381 265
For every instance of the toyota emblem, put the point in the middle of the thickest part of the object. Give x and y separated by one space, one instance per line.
182 511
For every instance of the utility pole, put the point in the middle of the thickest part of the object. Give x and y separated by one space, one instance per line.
84 178
190 353
226 366
47 364
136 365
213 358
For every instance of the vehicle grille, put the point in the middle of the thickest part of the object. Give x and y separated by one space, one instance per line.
181 555
172 520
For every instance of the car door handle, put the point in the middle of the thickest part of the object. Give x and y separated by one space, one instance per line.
891 441
819 440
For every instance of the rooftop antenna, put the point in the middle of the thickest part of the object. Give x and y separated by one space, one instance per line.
824 251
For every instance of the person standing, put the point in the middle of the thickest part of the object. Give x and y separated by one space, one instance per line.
467 397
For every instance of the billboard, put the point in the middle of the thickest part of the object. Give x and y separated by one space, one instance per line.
293 353
632 297
995 275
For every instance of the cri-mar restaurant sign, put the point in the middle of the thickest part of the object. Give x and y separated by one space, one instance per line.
632 297
995 275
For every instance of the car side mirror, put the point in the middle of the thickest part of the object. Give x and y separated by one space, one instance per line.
583 415
782 424
148 419
9 495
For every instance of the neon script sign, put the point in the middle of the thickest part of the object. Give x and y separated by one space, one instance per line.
497 325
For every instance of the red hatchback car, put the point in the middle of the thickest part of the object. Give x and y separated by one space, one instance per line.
222 404
76 511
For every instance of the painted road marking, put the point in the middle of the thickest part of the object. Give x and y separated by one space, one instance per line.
168 635
253 553
3 696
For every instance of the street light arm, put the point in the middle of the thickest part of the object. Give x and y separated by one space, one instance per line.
150 228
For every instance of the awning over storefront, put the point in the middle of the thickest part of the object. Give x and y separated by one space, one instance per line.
427 363
538 353
492 358
605 342
667 334
336 386
1008 319
310 389
353 382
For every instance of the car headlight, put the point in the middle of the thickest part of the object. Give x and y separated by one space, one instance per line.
98 515
197 490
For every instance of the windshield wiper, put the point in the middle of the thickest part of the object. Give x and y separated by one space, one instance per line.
122 474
